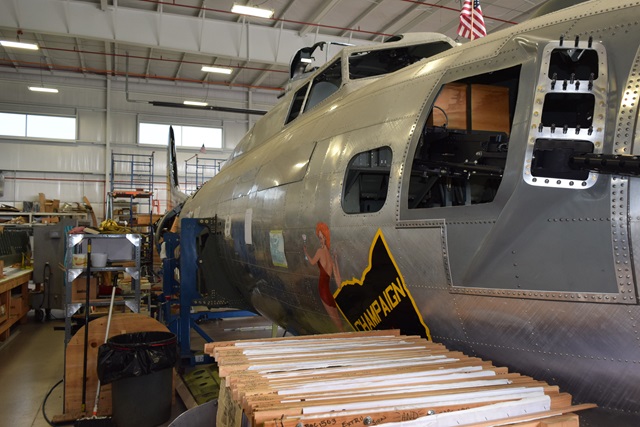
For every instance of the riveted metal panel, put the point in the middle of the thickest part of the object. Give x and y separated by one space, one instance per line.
547 85
546 337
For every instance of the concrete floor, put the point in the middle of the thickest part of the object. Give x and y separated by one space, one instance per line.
31 363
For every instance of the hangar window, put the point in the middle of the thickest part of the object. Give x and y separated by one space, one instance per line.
366 183
186 136
37 126
461 154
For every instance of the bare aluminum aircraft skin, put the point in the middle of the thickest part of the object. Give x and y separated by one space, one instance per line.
473 196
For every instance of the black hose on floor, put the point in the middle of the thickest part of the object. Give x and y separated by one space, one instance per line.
44 402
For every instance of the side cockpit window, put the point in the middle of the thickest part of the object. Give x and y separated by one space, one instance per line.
366 182
297 103
324 85
462 149
320 88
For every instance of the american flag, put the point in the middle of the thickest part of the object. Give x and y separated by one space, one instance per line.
471 17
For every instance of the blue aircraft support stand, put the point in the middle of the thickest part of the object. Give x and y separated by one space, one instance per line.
181 325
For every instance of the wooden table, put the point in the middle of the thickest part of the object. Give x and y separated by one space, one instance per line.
14 300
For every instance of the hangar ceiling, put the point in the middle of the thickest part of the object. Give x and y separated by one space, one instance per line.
169 40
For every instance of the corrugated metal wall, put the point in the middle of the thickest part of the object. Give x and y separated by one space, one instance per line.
70 170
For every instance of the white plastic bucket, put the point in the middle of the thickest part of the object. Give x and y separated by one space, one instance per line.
98 259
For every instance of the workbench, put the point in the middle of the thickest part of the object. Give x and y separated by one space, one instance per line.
14 300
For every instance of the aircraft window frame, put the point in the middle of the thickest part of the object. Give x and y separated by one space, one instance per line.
367 170
385 60
461 154
568 121
325 84
297 102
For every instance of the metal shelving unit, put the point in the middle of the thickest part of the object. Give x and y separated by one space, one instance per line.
131 189
33 216
120 249
198 170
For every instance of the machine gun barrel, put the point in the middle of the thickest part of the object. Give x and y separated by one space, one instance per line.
459 169
614 164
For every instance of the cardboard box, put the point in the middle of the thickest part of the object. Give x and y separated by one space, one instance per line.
144 219
16 306
4 313
79 287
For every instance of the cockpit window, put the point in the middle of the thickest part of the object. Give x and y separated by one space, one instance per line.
384 61
461 155
324 85
297 103
366 183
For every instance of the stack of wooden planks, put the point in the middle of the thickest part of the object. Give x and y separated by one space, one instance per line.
374 378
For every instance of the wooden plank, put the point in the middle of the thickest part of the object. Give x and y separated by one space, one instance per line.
184 393
569 420
522 420
211 347
319 380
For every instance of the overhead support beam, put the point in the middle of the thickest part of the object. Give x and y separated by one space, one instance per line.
115 59
81 56
146 70
236 76
317 17
108 58
359 18
11 58
283 14
408 27
43 50
177 74
263 75
395 21
174 32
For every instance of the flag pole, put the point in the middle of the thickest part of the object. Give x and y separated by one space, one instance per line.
472 14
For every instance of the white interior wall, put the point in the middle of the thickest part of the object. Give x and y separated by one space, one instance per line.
107 119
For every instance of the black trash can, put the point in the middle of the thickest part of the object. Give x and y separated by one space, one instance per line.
140 367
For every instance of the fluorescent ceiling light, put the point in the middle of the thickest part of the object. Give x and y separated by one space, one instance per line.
196 103
220 70
19 45
253 11
43 89
306 60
